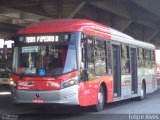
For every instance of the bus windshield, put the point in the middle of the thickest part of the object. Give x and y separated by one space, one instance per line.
45 59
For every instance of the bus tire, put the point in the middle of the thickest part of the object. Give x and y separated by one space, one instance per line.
143 92
101 100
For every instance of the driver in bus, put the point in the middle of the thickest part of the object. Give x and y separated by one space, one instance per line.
25 63
48 63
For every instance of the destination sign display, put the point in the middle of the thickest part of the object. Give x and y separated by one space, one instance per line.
44 38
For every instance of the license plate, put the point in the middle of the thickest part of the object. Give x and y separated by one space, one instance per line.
37 100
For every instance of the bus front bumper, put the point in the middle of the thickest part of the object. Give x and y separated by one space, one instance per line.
67 96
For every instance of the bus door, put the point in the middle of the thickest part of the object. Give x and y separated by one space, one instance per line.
116 70
134 71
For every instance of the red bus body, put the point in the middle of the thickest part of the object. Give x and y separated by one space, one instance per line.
87 91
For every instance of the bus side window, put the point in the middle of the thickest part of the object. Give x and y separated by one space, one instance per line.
140 57
90 51
88 58
152 59
100 57
125 59
108 59
96 57
147 56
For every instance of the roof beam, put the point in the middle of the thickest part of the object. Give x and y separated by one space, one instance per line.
25 17
152 36
121 23
148 24
112 7
9 27
77 9
126 25
149 5
13 3
130 32
59 9
120 10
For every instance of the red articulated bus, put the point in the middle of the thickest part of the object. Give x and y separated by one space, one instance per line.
79 62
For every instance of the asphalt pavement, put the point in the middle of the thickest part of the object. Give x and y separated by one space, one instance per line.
147 109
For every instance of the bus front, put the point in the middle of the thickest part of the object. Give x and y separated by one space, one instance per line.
45 69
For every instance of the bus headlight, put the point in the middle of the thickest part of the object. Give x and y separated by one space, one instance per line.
70 82
13 83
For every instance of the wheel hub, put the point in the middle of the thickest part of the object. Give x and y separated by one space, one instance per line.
100 98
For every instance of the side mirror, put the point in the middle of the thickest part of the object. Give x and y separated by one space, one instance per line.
5 51
82 66
7 70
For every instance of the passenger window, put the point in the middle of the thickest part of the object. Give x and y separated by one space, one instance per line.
96 57
90 51
88 58
108 59
140 53
100 57
125 62
140 57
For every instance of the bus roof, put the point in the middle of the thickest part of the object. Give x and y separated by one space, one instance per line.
123 38
66 25
75 25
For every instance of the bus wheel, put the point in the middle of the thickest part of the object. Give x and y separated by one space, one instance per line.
101 100
143 92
